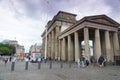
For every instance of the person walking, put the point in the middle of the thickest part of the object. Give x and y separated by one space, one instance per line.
104 62
5 60
100 61
78 63
82 61
87 61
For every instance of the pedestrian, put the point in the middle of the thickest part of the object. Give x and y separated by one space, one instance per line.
39 59
78 63
10 58
104 63
93 61
100 61
82 61
26 62
87 61
5 60
26 59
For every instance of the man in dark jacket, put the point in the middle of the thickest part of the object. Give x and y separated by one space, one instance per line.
100 61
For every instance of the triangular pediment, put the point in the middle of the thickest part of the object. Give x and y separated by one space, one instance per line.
102 19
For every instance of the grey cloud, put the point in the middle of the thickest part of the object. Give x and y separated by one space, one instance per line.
50 7
36 8
115 9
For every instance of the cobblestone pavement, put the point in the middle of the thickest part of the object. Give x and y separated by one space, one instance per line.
57 73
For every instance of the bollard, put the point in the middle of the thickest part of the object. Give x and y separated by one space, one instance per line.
26 65
50 64
69 64
12 66
61 64
39 65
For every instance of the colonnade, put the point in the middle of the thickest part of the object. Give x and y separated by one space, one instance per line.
105 43
53 43
69 48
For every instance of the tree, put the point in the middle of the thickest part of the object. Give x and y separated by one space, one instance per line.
12 49
6 49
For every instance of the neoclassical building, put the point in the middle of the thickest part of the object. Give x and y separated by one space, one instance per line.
65 34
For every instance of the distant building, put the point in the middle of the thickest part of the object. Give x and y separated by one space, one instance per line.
12 42
35 48
19 48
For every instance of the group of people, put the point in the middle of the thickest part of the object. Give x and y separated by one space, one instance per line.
6 59
82 62
85 61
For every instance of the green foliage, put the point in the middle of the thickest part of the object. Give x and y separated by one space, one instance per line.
6 49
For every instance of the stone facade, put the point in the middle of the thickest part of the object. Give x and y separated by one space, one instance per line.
65 34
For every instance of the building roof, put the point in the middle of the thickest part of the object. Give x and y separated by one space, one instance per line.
99 19
61 16
63 12
69 17
103 17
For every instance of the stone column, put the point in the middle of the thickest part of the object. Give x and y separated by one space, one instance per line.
108 46
86 39
52 52
112 47
43 47
80 48
60 50
70 51
49 44
103 48
116 44
77 46
48 40
63 56
56 42
94 47
97 44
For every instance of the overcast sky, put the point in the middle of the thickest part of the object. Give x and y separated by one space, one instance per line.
25 20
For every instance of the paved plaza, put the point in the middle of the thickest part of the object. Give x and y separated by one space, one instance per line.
57 73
